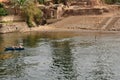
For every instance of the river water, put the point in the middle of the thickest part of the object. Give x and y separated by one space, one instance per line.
61 56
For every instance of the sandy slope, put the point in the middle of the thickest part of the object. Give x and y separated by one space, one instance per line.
103 22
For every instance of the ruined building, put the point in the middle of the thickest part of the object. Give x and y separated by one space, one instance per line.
90 3
86 7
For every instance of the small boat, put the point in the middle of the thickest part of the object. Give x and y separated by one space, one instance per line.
12 49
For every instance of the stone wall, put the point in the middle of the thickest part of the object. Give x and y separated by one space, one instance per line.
84 11
88 3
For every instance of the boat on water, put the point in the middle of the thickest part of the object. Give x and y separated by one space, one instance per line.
12 49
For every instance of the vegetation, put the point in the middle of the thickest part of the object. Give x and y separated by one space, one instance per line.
112 1
3 12
61 1
28 10
32 13
1 5
41 1
18 5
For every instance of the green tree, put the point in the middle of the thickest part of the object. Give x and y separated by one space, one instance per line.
30 11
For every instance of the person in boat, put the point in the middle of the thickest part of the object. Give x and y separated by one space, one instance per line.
14 47
19 46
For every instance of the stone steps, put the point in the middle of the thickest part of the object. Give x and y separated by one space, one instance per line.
109 24
103 22
78 22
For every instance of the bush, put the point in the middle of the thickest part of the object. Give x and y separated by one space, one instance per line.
3 12
41 1
1 5
118 1
38 17
32 14
111 1
29 22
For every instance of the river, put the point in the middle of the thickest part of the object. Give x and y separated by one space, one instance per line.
61 56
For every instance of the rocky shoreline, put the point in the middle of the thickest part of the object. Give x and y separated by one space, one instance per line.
79 15
106 22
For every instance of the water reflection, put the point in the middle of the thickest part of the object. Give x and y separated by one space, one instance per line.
10 66
1 40
31 41
60 56
63 67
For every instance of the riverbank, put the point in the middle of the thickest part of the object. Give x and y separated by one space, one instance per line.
51 29
104 25
106 22
86 23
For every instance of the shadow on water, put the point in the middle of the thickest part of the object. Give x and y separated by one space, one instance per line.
31 40
62 66
59 56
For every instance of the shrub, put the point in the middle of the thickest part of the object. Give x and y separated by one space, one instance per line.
38 17
3 12
29 21
1 5
118 1
41 1
32 14
111 1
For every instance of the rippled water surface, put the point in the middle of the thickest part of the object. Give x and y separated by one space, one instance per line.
61 56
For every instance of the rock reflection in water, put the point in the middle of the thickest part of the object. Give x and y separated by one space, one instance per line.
63 67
